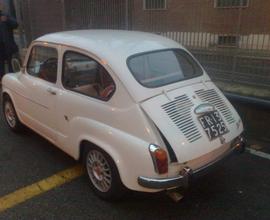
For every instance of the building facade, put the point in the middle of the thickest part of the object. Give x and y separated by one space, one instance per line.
207 23
195 23
231 38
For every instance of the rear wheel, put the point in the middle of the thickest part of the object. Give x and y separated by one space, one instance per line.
103 174
10 115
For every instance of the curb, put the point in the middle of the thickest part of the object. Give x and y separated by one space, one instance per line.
259 103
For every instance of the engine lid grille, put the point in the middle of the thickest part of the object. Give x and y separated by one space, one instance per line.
179 111
212 97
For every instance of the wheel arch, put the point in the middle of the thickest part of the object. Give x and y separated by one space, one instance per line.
7 94
124 153
82 147
87 142
129 153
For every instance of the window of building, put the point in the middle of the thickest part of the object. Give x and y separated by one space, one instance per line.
231 3
42 63
154 4
84 75
226 40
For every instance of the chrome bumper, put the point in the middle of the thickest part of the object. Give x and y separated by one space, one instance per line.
237 146
181 180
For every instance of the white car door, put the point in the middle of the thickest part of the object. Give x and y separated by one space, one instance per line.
86 94
40 82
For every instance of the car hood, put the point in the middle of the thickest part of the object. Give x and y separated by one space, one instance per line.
173 113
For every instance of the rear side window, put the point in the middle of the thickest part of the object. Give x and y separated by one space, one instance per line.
43 63
84 75
159 68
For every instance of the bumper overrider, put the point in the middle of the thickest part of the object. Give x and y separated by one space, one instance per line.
237 146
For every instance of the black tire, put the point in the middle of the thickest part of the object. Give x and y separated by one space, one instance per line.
10 115
116 189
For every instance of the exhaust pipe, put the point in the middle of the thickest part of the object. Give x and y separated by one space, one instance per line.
239 144
175 196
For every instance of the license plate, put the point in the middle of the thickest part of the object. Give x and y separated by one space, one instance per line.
213 125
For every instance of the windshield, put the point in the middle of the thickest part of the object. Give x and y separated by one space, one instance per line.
159 68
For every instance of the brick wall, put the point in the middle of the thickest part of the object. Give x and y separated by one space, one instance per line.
41 17
96 14
202 16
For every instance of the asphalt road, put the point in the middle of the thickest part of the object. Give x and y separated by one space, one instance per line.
238 189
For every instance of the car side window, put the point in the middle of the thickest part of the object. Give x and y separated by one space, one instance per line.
84 75
42 63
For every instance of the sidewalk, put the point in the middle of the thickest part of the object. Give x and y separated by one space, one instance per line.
245 90
256 120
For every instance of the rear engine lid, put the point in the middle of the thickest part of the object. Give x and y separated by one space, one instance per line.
173 113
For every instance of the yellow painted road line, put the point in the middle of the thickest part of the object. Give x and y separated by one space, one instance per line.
40 187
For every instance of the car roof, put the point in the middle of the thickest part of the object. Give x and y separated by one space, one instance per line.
113 47
111 42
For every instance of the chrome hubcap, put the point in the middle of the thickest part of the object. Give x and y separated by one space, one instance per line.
99 170
10 114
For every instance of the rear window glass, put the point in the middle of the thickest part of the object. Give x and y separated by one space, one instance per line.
159 68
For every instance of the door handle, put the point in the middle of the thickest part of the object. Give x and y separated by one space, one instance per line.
51 91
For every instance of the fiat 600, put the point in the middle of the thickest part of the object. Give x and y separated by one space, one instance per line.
137 108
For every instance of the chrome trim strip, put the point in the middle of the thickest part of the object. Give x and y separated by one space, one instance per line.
188 174
214 162
204 108
164 183
233 149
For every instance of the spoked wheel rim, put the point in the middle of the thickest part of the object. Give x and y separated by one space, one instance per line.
10 114
99 170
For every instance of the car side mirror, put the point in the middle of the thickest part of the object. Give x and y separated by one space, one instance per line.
16 65
22 70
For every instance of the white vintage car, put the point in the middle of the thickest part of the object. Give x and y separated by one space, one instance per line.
138 108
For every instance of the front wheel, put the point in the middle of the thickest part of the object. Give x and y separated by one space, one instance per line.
10 115
103 174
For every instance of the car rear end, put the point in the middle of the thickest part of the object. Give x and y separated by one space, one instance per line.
198 125
199 128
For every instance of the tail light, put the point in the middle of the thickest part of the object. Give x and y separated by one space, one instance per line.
160 159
